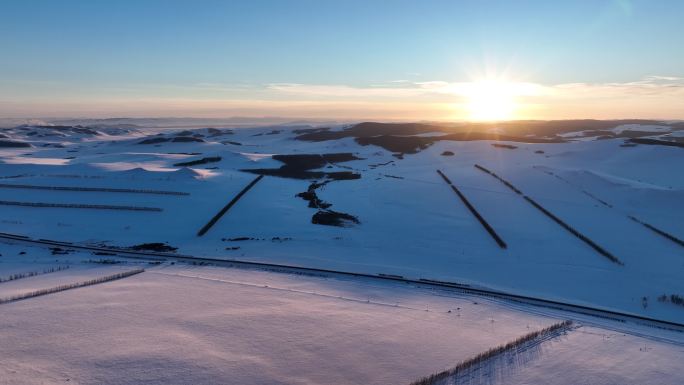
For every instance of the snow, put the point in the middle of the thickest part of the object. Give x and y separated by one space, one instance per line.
599 357
641 127
178 325
411 224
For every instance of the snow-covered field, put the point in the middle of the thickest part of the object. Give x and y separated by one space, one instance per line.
595 356
207 325
211 325
410 223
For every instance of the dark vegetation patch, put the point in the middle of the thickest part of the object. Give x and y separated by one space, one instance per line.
656 142
106 261
13 144
540 130
474 211
310 196
334 218
413 144
299 166
154 140
516 131
310 130
233 143
324 215
380 164
186 139
242 239
153 246
60 251
658 231
518 345
448 153
314 161
205 160
239 239
673 298
398 144
70 286
369 129
227 207
501 145
177 139
539 152
13 277
219 132
601 134
556 219
73 129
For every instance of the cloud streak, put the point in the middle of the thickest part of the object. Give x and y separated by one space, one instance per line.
655 96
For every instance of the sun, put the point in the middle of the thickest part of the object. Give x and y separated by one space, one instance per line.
491 100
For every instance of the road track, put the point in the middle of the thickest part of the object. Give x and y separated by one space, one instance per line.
422 282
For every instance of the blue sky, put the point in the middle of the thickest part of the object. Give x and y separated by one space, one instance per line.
62 53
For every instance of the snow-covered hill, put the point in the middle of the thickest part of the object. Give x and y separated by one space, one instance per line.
396 215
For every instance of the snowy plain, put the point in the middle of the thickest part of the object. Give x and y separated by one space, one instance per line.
411 224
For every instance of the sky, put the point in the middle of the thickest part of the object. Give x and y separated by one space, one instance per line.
368 59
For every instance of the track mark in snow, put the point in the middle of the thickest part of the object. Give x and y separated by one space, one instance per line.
79 206
92 189
472 209
270 287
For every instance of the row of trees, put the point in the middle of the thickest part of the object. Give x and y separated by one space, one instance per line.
13 277
57 289
530 338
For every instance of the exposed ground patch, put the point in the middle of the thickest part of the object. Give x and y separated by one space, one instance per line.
324 215
154 246
656 142
205 160
501 145
13 144
299 166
